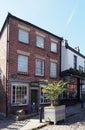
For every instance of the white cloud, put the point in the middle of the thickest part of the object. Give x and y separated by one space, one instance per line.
72 13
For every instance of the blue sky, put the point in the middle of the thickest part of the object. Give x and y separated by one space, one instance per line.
64 18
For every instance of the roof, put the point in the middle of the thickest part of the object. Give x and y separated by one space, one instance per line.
72 49
73 72
26 22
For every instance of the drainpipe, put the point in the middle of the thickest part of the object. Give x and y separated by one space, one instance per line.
60 57
7 56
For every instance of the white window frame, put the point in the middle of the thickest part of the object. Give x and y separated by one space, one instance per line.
0 76
23 36
39 70
75 62
80 68
22 64
39 41
84 66
25 96
52 70
53 47
43 98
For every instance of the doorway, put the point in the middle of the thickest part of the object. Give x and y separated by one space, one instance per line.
34 100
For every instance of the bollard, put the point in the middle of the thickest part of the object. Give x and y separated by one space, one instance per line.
81 101
41 110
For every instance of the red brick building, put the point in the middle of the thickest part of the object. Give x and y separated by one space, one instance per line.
28 54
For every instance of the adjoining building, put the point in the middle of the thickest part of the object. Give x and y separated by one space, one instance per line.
28 55
72 71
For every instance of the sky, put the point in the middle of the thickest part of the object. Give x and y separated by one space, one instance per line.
64 18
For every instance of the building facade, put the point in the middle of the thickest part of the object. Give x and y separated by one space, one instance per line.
73 71
28 55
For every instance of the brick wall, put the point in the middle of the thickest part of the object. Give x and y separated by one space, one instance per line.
32 49
3 46
12 62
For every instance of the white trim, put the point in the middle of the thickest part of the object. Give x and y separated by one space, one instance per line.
17 84
23 53
53 69
40 34
53 60
53 47
43 97
53 40
34 88
39 57
39 70
24 27
23 62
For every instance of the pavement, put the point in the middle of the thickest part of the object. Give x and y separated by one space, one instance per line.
34 122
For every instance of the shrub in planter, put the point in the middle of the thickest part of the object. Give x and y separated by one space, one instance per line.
52 92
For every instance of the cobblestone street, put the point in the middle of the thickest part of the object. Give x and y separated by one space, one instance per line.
75 122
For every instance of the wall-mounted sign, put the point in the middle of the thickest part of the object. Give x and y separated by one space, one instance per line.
34 84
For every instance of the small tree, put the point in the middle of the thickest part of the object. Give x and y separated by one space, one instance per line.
53 90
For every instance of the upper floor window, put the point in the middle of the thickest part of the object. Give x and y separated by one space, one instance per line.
54 47
80 68
22 64
84 66
53 70
75 62
39 67
40 41
23 36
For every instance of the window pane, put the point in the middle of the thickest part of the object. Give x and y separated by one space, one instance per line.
84 66
43 98
75 62
80 68
39 67
13 98
19 95
53 47
40 41
53 69
23 36
22 63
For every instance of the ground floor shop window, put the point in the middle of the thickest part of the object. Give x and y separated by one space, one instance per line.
43 99
73 91
19 94
70 93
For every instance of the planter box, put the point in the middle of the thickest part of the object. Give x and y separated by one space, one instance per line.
54 114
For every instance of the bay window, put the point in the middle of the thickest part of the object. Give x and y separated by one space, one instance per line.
19 94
